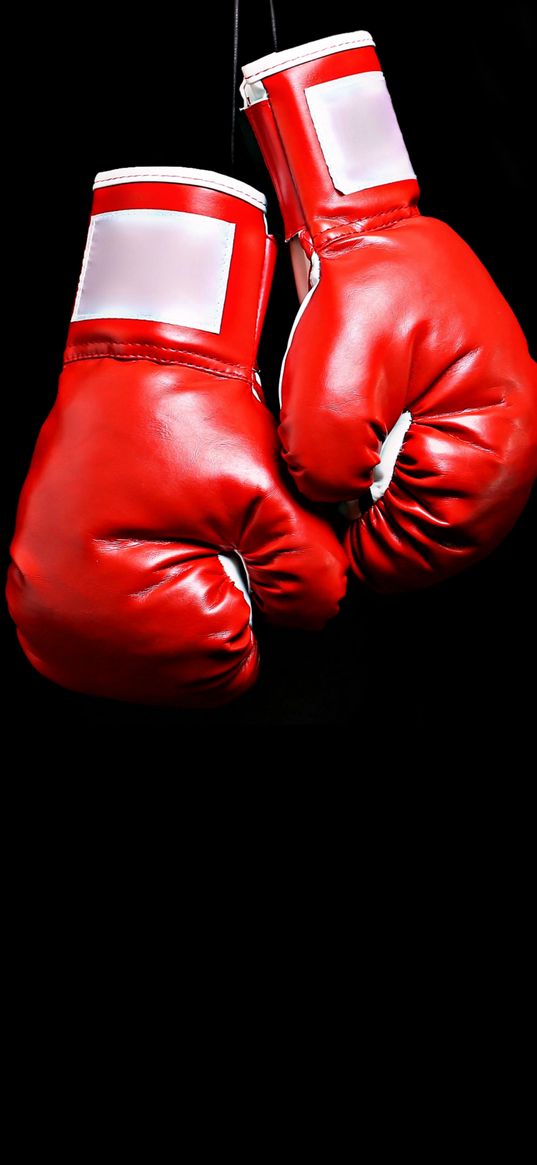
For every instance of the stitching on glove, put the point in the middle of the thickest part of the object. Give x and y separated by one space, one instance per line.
386 225
352 231
115 351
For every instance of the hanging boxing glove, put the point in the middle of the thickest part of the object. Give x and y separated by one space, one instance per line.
407 389
154 509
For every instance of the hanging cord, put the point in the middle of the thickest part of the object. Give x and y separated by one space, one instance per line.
274 31
273 25
235 77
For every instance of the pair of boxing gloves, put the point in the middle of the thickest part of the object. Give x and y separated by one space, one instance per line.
156 509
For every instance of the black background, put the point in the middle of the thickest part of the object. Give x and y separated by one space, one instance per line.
130 93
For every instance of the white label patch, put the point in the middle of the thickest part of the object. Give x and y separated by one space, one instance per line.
358 132
163 265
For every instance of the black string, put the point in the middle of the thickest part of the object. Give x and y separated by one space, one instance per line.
273 25
274 30
235 74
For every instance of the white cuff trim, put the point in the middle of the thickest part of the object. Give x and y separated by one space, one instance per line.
182 176
277 62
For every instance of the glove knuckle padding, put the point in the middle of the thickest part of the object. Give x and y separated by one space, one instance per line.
468 459
135 601
454 357
131 601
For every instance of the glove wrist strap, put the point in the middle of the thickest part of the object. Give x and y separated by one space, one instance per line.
326 126
176 259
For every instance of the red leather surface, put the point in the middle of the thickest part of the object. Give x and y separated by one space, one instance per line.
404 318
262 121
408 319
153 461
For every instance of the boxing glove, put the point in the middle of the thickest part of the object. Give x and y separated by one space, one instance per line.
154 504
407 389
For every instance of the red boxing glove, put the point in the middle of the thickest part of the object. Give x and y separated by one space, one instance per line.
154 496
407 388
